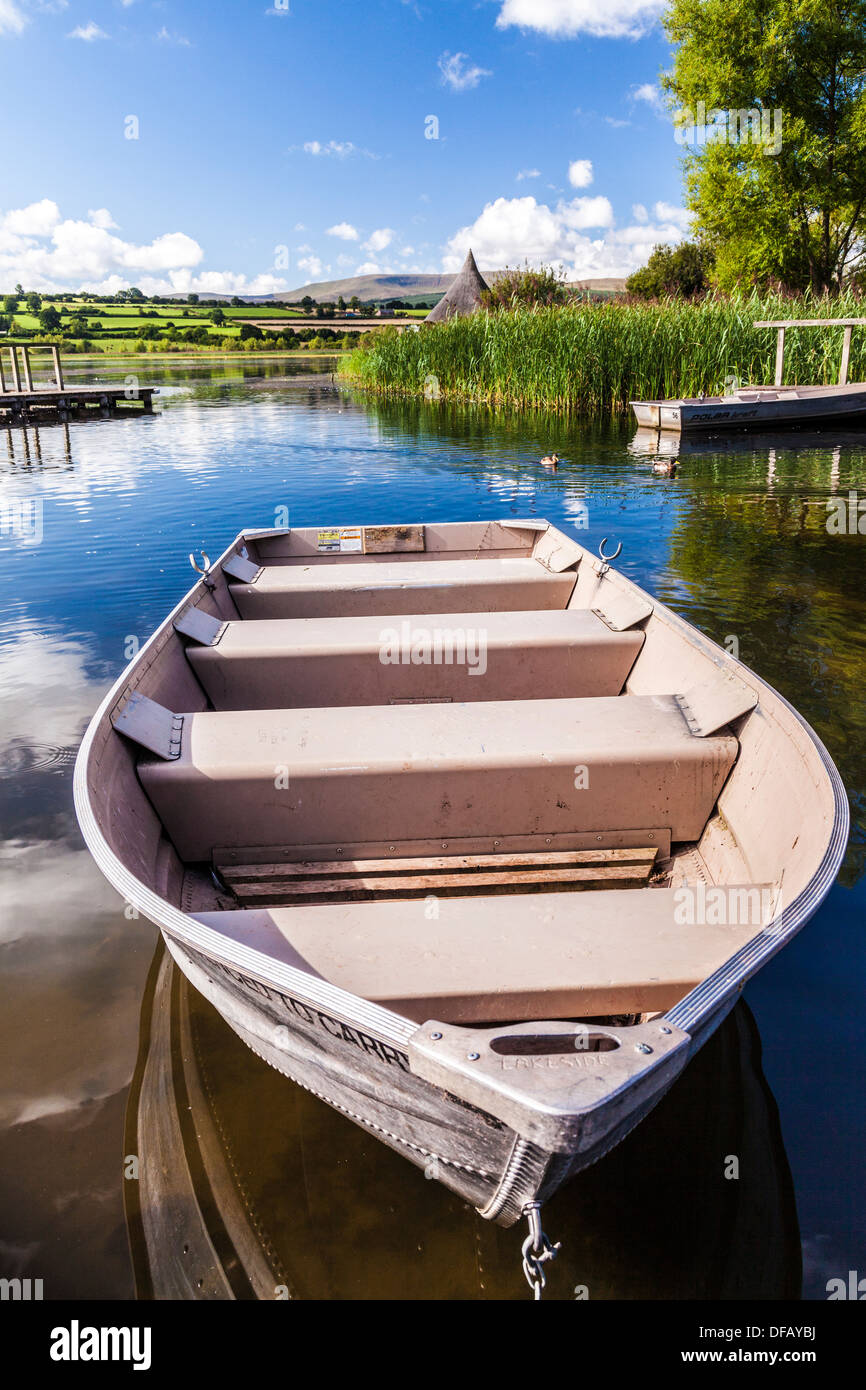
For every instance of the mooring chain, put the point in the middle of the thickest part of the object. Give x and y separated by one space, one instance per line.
536 1250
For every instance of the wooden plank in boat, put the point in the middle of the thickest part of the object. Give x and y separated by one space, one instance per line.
460 874
449 863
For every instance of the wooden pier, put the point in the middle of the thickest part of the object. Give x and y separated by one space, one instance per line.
23 399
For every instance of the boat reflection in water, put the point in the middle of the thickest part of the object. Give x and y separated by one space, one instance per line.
249 1187
652 443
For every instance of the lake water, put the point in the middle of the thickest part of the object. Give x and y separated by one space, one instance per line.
737 542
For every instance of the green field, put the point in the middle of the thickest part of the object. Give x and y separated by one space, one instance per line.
96 326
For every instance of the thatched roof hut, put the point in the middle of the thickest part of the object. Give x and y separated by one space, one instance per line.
464 295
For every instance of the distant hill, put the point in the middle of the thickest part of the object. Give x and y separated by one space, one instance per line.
370 287
605 284
406 287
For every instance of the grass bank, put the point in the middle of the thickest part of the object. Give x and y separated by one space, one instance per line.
594 358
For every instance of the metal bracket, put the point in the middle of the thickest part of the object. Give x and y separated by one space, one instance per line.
713 704
242 569
559 1085
557 552
200 626
151 725
622 610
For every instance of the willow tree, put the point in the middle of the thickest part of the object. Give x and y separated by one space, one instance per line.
770 98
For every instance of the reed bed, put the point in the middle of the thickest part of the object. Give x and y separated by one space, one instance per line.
595 358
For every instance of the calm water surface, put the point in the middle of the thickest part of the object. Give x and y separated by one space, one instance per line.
736 542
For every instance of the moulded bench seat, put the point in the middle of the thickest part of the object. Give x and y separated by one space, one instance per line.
308 662
323 590
504 768
497 959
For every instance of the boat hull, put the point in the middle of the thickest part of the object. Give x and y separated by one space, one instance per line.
365 1075
761 408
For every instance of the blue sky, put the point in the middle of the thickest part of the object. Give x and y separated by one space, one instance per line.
242 146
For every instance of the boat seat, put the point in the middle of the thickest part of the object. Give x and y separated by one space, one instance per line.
487 960
283 663
324 589
331 776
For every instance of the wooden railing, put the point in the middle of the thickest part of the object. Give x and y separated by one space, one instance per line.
782 324
21 367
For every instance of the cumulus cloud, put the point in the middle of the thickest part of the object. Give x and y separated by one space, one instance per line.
46 251
528 174
670 212
101 217
510 231
580 173
37 219
378 240
458 73
344 230
369 268
312 265
12 18
88 32
615 19
587 212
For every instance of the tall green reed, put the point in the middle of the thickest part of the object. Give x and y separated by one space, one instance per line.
595 358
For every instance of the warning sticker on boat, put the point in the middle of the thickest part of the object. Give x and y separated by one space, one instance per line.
346 540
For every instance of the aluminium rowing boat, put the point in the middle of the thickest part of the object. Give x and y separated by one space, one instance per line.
766 407
460 830
756 407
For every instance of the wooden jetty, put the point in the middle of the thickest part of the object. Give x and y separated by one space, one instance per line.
22 397
776 406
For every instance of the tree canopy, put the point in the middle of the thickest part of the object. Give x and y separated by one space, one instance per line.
523 285
672 270
786 205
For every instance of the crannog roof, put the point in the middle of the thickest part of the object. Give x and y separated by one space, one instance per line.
463 296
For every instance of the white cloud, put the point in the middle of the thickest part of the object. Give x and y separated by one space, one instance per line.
344 230
12 19
639 212
378 240
340 149
369 268
615 19
44 251
648 92
580 173
88 32
583 213
670 212
176 40
101 217
457 75
528 174
37 219
312 266
510 231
